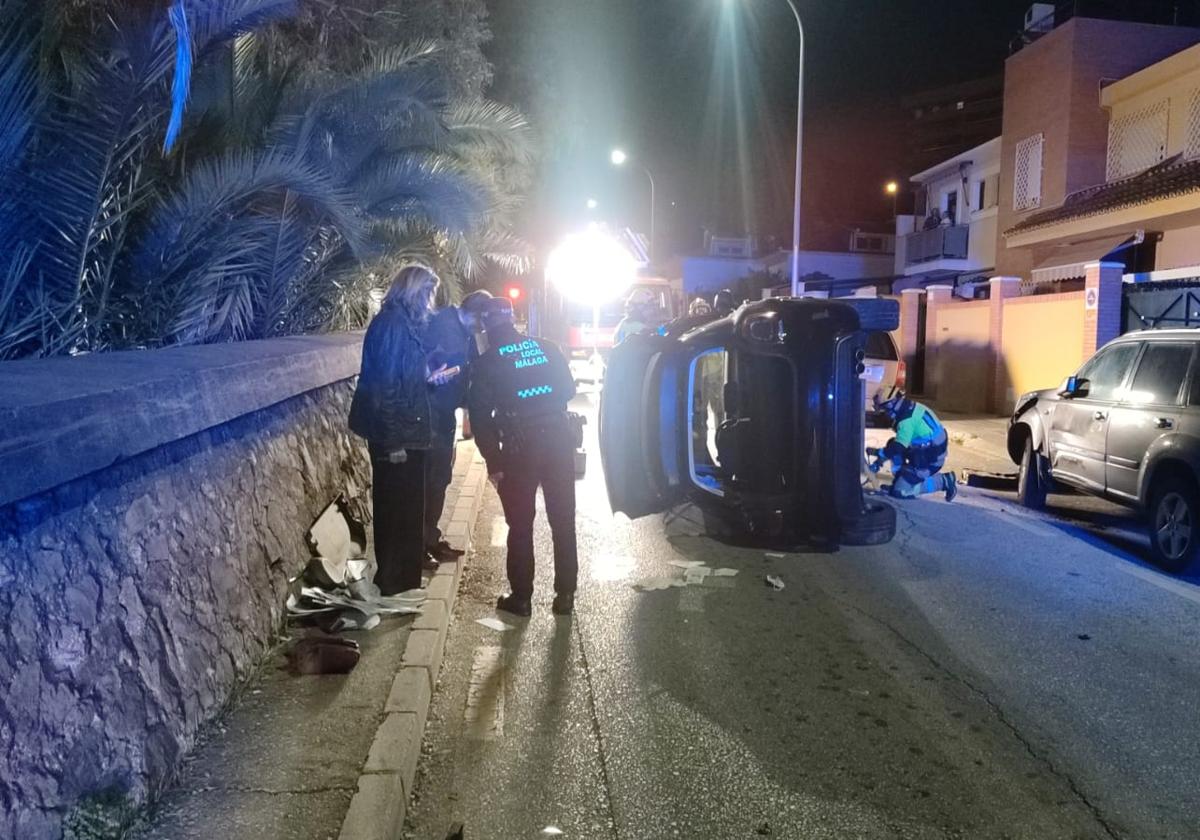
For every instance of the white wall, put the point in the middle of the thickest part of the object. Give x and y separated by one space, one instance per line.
703 274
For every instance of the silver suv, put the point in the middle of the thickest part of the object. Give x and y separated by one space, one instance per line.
1126 427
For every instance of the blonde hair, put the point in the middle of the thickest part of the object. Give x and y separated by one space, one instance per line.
406 291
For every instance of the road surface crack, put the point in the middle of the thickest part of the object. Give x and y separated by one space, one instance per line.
1033 753
1029 747
279 792
595 715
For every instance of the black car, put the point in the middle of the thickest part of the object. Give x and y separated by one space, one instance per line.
755 417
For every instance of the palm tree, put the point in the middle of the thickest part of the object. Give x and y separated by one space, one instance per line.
284 200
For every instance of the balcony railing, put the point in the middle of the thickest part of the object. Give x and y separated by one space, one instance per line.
942 243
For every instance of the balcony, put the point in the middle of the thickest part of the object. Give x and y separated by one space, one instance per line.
942 243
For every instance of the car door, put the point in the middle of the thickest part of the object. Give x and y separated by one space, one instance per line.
1151 408
643 428
1078 428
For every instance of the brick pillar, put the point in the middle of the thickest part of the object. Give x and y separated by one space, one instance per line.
1102 305
1002 288
935 296
910 311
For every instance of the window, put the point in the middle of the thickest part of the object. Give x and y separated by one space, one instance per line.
1137 141
1192 143
707 413
1160 374
951 209
880 346
1105 372
987 192
1027 181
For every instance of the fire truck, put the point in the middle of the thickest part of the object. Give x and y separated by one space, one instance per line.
586 333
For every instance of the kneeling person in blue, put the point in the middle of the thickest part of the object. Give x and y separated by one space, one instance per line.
520 388
918 451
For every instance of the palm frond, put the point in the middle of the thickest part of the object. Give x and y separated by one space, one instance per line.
493 128
216 22
262 202
419 186
19 93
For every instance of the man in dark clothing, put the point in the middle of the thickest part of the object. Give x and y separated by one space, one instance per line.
520 388
448 340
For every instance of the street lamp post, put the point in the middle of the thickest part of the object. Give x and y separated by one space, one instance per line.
619 158
799 151
799 154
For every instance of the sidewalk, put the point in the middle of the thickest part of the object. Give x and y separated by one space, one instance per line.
331 756
978 444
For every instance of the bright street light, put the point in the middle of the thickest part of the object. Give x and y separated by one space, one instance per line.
592 204
891 188
618 157
591 268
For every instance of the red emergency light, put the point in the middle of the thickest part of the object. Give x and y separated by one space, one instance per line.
514 293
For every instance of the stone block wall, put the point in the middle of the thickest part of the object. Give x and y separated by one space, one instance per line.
133 598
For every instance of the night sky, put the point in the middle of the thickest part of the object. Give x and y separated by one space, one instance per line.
703 93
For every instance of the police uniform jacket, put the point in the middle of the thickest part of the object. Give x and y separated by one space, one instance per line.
519 384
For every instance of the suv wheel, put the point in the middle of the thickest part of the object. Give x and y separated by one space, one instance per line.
1031 480
1174 524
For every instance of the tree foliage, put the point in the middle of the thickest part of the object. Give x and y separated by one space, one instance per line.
293 192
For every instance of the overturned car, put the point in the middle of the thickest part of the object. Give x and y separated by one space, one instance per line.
757 418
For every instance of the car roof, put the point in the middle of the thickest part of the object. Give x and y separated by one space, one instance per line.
1176 334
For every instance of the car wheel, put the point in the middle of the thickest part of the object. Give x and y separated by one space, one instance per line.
1031 480
876 526
1174 524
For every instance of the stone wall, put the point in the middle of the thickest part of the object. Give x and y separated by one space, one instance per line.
134 597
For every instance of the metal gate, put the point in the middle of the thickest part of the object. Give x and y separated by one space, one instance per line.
1161 305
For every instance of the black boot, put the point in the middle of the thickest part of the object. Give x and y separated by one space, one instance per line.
516 606
430 564
564 603
445 552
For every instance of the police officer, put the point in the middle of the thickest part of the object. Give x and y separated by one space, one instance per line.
518 399
917 453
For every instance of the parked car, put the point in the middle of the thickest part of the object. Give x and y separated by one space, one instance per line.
884 371
1126 427
756 417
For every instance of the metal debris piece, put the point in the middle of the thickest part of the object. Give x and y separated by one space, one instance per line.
775 582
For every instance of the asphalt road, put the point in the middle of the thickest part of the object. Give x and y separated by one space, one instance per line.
988 674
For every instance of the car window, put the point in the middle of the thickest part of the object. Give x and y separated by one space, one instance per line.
1160 374
881 346
708 379
1106 371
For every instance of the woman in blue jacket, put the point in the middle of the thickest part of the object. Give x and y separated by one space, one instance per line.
391 409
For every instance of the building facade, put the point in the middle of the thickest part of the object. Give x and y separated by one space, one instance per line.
1056 131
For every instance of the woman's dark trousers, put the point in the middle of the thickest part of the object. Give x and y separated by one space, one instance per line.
398 502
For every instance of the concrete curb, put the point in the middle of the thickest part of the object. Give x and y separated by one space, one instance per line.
379 805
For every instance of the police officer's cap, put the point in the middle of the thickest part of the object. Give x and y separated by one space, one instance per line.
495 312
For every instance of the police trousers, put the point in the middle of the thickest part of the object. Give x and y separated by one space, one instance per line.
544 458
